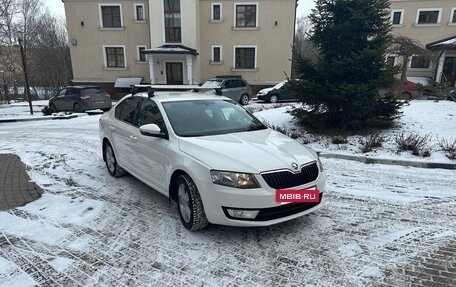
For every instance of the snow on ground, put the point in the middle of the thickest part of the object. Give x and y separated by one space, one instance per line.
437 120
90 229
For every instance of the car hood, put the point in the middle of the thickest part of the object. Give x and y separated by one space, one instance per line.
265 91
252 152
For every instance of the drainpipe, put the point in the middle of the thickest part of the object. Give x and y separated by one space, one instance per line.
293 44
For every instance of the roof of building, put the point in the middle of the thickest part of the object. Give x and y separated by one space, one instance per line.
444 44
172 49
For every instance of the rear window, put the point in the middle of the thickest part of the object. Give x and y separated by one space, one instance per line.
93 91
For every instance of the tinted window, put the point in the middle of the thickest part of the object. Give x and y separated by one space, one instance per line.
128 110
239 83
93 91
62 92
150 114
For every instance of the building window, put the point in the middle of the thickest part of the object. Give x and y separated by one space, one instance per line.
172 21
245 58
115 56
419 62
391 61
111 16
246 15
141 54
139 12
428 16
453 16
216 54
216 14
397 17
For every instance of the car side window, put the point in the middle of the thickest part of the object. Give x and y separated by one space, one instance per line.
150 114
128 110
62 92
229 84
70 91
240 83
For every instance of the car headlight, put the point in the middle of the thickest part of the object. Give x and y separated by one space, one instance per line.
234 179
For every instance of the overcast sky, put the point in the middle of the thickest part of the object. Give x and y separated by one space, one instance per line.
56 7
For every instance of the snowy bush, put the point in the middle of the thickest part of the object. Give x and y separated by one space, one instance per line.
372 141
339 140
415 143
449 148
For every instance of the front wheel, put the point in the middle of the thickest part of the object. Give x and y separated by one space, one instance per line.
53 108
244 100
111 162
189 204
273 99
406 96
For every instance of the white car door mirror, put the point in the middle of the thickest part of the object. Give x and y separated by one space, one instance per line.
150 130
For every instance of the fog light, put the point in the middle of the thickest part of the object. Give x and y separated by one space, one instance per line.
246 214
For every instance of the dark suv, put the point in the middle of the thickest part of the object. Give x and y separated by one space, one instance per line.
81 98
232 87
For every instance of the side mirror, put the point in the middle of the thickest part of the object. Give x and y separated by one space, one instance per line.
152 130
218 91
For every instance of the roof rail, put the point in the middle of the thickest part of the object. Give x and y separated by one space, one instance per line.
152 88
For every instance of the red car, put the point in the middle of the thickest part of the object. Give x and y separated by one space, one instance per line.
409 91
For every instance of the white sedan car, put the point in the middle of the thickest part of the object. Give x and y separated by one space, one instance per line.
215 159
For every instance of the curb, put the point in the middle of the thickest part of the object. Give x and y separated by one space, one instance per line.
39 119
387 161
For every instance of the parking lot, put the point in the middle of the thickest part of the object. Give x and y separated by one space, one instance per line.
381 226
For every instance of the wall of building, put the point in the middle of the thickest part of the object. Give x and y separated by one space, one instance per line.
273 39
83 22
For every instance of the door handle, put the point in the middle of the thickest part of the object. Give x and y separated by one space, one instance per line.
133 138
112 128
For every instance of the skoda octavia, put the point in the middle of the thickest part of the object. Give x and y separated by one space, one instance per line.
218 162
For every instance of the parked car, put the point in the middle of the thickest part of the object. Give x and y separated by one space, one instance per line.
211 156
274 94
234 88
80 99
409 91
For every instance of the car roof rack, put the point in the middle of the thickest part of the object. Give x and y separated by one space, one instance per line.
228 76
152 88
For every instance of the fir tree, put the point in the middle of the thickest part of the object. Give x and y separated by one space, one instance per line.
342 89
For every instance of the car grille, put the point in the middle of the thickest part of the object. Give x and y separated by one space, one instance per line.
279 211
287 179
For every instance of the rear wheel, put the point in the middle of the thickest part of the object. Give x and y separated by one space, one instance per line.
77 108
189 204
273 99
244 100
111 162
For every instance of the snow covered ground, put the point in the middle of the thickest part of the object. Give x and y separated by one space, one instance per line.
437 120
89 229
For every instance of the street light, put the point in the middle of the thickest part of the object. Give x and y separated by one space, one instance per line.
24 65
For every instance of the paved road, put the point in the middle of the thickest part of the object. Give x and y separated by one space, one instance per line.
382 226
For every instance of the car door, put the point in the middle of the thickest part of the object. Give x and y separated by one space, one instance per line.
70 98
58 100
123 130
149 152
229 91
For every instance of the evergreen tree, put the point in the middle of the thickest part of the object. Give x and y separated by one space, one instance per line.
342 89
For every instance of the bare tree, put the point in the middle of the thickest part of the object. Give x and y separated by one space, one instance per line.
302 44
405 48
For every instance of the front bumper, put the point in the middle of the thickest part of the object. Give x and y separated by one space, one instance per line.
218 199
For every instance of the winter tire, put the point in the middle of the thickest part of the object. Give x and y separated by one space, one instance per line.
273 99
189 204
244 100
111 162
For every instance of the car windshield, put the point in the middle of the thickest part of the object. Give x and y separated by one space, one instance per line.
212 84
279 85
209 117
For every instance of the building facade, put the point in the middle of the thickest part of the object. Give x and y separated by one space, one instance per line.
179 41
433 24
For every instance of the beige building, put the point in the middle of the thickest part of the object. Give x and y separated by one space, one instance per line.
179 41
433 23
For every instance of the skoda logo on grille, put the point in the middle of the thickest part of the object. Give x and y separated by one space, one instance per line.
294 166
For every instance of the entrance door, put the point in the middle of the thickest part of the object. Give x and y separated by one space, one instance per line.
174 73
449 69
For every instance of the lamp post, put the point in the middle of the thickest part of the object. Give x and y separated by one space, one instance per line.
24 65
5 87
